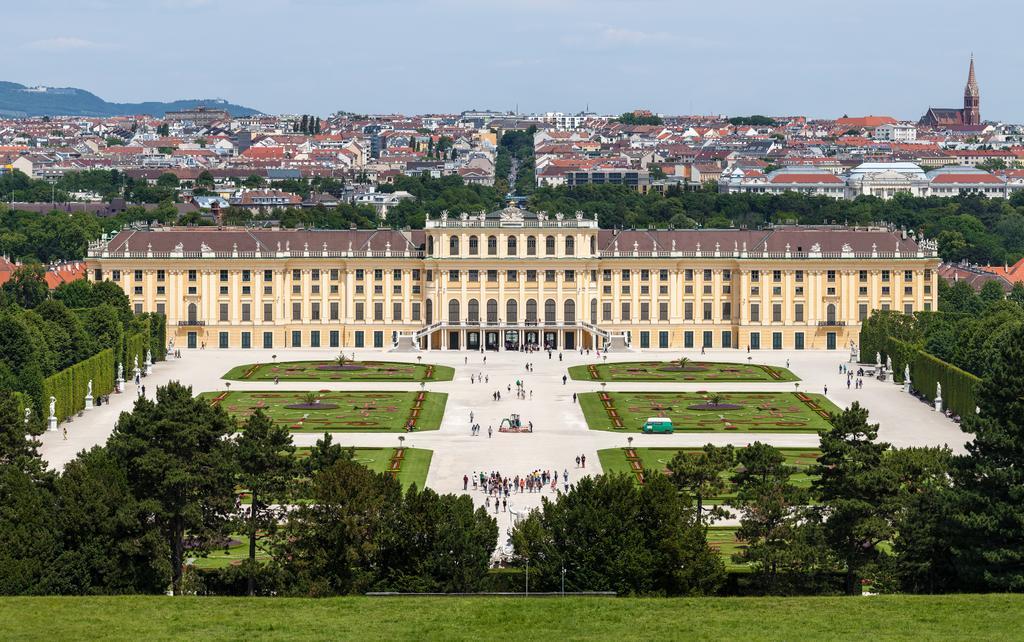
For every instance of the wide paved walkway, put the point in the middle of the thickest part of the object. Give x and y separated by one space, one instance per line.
560 431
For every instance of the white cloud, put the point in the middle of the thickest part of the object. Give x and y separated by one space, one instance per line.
65 43
608 37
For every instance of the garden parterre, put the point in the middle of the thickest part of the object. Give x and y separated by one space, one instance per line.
694 371
349 371
708 412
334 411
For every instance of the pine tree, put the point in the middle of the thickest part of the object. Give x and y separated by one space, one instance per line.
304 127
988 543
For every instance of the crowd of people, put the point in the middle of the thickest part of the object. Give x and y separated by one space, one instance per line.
498 488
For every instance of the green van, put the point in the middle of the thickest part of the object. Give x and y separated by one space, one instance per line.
658 425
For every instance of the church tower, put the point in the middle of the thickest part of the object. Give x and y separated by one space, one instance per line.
972 99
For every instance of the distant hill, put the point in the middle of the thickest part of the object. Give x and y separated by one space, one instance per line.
21 101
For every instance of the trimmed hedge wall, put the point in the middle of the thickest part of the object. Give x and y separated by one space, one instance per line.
959 387
157 335
135 346
70 386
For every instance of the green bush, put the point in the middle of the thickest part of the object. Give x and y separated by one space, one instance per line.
71 385
958 386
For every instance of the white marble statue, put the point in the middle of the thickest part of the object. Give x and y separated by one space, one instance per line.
28 414
938 390
878 359
88 390
120 371
888 364
53 406
149 357
906 373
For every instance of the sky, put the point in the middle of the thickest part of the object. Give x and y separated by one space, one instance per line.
818 58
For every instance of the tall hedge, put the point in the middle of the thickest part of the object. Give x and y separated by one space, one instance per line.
71 385
958 386
157 335
135 345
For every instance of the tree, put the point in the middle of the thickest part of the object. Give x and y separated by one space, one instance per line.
988 545
266 462
328 546
254 181
991 292
27 285
109 545
18 443
609 534
324 455
701 475
1017 293
180 466
856 492
29 540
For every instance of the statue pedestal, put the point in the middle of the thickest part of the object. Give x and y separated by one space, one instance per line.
906 387
148 370
52 424
119 385
88 403
938 404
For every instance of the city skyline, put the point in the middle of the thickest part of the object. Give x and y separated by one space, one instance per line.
556 56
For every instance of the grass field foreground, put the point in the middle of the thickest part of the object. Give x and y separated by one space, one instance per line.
911 618
333 411
673 371
769 412
351 371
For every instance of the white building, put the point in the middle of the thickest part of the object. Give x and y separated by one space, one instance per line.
896 132
885 180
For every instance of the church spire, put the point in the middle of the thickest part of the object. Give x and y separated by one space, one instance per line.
972 82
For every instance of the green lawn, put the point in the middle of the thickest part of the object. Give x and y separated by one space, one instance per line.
235 549
616 460
362 411
694 412
328 371
910 618
723 539
699 371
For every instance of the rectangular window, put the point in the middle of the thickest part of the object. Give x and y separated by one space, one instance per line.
268 312
268 276
776 313
625 311
222 340
314 312
378 311
688 339
645 340
688 275
296 339
645 311
246 312
862 311
798 340
776 341
223 276
755 312
396 311
663 311
708 339
378 339
606 311
688 311
663 339
798 312
334 338
223 312
268 340
726 312
360 315
360 338
246 340
726 338
335 310
707 311
415 311
297 311
314 339
755 340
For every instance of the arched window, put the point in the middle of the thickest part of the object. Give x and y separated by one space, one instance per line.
474 246
570 246
512 311
593 245
453 311
830 313
550 311
511 246
570 311
531 246
531 310
430 246
453 246
492 246
593 311
473 311
492 311
430 311
192 313
549 246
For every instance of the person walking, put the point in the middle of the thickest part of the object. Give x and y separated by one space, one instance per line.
465 483
564 379
65 429
577 461
574 397
490 430
583 461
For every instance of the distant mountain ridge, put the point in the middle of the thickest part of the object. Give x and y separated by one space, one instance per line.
20 101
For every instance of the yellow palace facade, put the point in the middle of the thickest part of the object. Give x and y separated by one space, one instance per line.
512 278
